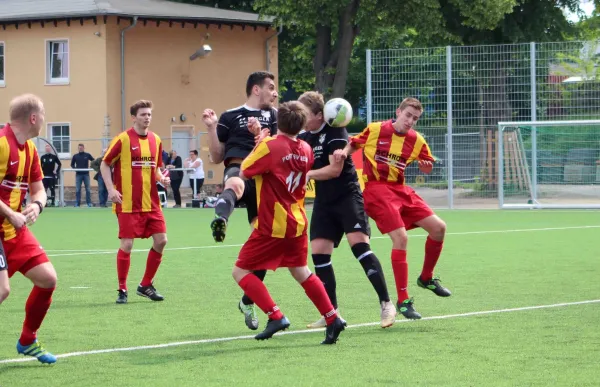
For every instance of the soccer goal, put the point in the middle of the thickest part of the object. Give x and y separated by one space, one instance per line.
549 164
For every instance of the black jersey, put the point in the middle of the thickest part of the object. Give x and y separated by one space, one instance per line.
49 162
324 142
233 130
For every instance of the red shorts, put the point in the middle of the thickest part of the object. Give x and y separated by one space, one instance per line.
141 224
394 206
23 252
262 252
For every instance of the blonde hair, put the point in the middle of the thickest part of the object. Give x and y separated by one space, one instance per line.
314 101
412 102
23 106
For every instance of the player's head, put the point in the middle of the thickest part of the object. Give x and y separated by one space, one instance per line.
141 113
408 113
48 148
291 118
27 113
261 88
194 154
314 103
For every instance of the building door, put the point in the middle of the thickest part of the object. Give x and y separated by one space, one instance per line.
181 141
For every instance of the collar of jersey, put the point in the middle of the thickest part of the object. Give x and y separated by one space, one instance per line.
252 109
321 128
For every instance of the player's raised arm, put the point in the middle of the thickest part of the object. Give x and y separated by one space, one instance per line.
338 142
218 132
257 162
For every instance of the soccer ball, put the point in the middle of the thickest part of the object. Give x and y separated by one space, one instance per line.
337 112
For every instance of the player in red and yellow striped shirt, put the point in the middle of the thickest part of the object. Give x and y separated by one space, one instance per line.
279 166
388 148
135 156
20 171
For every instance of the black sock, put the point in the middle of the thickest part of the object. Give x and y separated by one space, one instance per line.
261 276
324 270
372 268
226 203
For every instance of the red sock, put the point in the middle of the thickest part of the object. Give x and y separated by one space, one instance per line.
152 264
400 268
36 307
433 249
257 291
123 262
316 292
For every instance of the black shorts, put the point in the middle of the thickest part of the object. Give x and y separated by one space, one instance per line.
3 264
249 196
332 220
49 182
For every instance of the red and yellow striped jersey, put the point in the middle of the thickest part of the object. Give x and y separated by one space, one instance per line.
386 153
19 167
134 159
279 166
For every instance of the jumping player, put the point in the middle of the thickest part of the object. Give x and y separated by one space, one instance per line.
338 209
388 147
279 165
136 155
231 139
20 170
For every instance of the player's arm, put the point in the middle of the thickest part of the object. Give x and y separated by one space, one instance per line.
257 162
112 156
425 159
355 143
337 142
58 164
218 133
37 193
15 218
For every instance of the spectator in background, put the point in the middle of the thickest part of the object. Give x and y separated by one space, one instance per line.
197 175
174 161
81 160
51 167
102 191
165 157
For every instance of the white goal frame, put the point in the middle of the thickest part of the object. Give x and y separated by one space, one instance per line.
532 177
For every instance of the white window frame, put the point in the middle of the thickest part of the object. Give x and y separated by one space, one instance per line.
3 81
57 81
50 137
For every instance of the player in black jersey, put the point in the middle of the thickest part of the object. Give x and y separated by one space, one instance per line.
338 209
232 138
51 167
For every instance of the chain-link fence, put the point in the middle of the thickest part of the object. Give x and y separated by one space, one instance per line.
466 91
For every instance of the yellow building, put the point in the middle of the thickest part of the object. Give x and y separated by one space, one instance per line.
90 60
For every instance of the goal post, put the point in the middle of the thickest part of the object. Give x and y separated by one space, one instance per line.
549 164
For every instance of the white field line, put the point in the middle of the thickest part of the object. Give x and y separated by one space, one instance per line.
247 337
68 253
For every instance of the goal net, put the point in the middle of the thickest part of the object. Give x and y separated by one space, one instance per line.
549 164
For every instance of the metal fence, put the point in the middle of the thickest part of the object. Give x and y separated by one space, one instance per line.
467 90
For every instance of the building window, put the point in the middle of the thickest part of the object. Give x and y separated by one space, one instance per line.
60 137
57 67
1 64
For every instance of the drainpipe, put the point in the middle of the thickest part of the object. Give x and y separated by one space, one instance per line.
267 46
135 19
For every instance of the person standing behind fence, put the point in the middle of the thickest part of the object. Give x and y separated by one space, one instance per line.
102 191
51 167
174 161
81 160
197 175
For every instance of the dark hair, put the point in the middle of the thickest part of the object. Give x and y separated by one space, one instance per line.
139 105
82 145
257 78
291 117
194 152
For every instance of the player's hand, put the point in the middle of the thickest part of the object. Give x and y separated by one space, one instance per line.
17 219
165 180
115 196
425 166
264 133
340 155
254 126
210 119
31 212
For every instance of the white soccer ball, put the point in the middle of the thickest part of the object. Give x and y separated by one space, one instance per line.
337 112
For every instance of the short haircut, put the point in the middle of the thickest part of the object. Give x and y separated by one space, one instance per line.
412 102
291 117
139 105
257 78
82 145
23 106
194 152
313 100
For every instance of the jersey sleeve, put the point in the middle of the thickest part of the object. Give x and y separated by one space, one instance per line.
360 140
113 154
223 127
273 124
425 153
35 174
337 139
258 161
161 163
